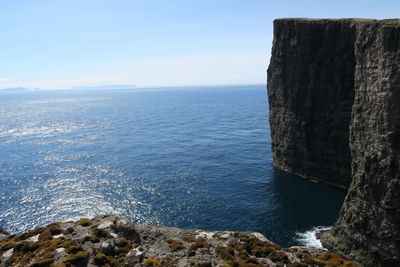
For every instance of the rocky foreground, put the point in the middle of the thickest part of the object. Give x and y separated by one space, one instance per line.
115 241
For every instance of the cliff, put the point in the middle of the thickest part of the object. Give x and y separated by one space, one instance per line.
115 241
311 91
334 92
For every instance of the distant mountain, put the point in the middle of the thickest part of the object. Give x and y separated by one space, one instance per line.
105 87
15 89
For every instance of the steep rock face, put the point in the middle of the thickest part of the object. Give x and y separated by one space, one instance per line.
368 229
310 88
369 225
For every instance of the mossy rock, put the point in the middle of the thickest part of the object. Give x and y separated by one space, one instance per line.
45 235
84 222
151 262
67 244
56 229
43 262
74 249
76 258
26 247
52 244
6 245
30 234
100 233
100 259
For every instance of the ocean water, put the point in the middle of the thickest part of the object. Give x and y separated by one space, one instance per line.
184 157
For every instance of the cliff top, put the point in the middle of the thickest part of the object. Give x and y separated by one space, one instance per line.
320 20
115 241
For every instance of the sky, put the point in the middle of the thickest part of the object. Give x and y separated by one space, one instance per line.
51 44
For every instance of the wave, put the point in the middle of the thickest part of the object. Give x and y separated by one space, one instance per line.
309 238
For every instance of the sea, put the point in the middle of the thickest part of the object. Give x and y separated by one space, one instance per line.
190 157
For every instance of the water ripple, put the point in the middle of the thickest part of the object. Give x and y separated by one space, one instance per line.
187 158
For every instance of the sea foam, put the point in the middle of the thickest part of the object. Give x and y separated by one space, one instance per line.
309 238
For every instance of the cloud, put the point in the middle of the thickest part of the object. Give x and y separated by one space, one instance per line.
3 80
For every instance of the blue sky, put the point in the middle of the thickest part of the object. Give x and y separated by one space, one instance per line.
59 44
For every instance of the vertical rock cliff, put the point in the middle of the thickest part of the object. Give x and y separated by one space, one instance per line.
311 91
356 96
369 225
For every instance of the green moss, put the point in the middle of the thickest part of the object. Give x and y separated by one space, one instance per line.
230 264
76 258
85 222
43 262
100 259
100 233
55 243
151 262
25 247
56 229
74 249
67 243
113 261
30 234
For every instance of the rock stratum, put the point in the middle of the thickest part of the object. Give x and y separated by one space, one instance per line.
114 241
334 96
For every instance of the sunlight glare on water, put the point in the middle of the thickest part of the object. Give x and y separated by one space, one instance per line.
188 157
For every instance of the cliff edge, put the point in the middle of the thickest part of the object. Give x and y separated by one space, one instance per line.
334 94
114 241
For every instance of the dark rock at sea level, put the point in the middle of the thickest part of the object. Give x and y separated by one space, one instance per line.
334 93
